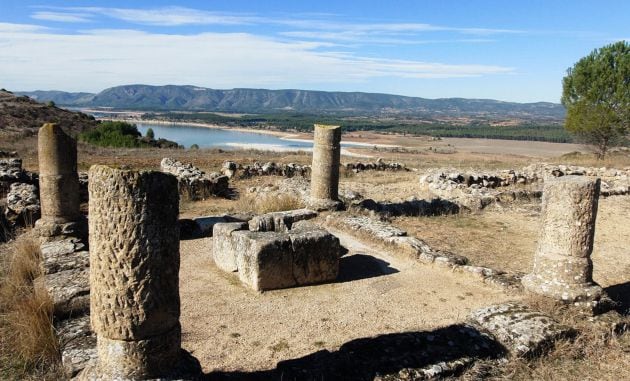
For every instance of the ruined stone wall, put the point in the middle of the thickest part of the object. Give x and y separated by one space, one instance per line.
194 184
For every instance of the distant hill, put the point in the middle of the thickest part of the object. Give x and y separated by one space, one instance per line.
192 98
22 116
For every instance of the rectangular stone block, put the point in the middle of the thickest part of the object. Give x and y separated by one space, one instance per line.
280 221
264 259
315 255
224 248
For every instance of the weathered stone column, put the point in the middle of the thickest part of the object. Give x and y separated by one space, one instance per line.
325 167
58 181
134 276
562 265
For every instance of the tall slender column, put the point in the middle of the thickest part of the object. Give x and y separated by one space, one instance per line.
325 167
58 181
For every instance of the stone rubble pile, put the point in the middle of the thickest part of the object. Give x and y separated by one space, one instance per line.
378 165
193 182
22 208
11 172
475 190
231 169
614 181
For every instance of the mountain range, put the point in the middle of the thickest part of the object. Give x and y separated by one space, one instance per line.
193 98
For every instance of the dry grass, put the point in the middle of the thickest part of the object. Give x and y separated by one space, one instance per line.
267 203
616 159
28 345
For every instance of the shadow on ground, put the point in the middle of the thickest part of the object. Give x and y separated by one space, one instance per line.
404 354
362 266
620 293
411 208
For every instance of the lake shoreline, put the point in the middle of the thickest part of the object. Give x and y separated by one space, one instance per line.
294 136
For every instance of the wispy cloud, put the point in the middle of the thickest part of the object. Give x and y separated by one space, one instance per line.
233 59
181 16
165 16
69 17
6 28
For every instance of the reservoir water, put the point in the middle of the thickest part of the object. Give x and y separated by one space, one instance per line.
204 137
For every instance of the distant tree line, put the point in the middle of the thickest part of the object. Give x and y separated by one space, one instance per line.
304 123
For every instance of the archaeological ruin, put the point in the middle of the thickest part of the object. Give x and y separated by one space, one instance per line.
266 294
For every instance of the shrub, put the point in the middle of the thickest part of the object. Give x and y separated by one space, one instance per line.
150 134
113 134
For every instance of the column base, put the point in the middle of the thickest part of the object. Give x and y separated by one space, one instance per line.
320 205
47 229
157 358
580 294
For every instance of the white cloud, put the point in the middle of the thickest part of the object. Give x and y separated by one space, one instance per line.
6 28
103 58
166 16
62 17
179 16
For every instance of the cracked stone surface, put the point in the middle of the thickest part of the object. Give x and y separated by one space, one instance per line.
523 331
78 344
69 290
65 254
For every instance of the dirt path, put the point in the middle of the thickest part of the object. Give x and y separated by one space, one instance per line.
229 327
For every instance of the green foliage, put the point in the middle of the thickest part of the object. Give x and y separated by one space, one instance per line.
50 104
113 134
194 146
150 134
596 93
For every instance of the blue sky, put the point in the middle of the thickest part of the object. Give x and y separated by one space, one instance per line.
507 50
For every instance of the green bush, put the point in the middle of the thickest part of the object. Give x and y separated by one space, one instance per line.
150 134
113 134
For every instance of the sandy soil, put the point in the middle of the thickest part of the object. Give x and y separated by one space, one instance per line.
228 326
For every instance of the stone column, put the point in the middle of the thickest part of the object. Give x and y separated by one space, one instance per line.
562 265
58 181
134 276
325 167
